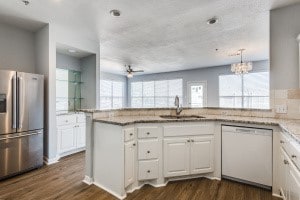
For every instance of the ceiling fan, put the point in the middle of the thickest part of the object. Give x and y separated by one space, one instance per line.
130 71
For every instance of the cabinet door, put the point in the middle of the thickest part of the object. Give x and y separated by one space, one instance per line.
202 154
129 162
176 157
294 182
80 135
284 174
67 138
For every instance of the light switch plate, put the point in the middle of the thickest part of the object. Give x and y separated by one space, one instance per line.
281 109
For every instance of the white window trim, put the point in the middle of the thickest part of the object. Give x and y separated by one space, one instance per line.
154 80
112 96
204 83
242 96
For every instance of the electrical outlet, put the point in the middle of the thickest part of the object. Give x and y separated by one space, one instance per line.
281 109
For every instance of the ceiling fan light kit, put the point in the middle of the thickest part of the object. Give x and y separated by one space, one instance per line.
130 71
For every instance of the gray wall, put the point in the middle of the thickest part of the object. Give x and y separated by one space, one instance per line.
116 77
210 75
67 62
45 52
284 49
88 76
17 49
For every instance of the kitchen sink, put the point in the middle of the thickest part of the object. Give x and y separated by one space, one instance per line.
181 117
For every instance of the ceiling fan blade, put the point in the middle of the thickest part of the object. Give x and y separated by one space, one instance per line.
138 71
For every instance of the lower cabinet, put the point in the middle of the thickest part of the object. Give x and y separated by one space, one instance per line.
202 155
188 155
71 133
176 157
289 174
130 152
80 133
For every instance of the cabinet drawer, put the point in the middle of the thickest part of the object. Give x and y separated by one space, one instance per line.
129 134
294 151
148 169
65 120
283 140
81 118
148 132
148 149
189 130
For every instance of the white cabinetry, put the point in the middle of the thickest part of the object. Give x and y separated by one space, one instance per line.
71 135
289 173
149 151
176 157
188 155
202 154
129 162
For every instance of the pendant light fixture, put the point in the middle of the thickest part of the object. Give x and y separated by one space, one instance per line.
242 67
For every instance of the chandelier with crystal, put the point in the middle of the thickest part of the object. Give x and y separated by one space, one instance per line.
241 67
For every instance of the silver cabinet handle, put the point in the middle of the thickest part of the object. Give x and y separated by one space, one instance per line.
148 171
188 140
133 144
131 134
148 133
148 151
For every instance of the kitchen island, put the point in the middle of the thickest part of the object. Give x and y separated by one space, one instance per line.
127 152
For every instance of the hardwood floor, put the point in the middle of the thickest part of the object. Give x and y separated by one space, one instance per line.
64 181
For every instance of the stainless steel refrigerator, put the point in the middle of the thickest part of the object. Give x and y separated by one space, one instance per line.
21 122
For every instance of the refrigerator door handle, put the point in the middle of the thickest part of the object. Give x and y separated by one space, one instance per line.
21 135
20 102
14 103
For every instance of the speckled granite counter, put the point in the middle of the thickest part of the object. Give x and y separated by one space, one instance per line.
290 126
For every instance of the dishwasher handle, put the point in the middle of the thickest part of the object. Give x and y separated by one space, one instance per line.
242 130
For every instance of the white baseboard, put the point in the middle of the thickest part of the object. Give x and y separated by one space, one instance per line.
278 195
88 180
51 161
109 191
212 178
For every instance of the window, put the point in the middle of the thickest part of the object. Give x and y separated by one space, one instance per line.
111 94
244 91
155 93
197 94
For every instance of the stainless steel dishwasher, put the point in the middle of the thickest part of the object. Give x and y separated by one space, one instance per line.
247 155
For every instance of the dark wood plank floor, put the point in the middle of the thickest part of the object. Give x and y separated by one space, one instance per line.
64 181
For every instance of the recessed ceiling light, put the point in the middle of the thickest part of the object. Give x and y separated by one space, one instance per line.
212 21
25 2
115 13
72 50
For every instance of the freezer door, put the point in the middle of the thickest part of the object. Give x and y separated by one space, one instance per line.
20 152
30 101
7 102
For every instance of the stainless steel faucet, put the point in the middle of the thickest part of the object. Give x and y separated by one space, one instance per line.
178 108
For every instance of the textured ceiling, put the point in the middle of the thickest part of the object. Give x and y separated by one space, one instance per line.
159 35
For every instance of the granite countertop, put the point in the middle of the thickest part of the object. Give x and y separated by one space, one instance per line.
290 126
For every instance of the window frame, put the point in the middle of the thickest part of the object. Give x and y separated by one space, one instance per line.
155 97
204 84
111 96
242 92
